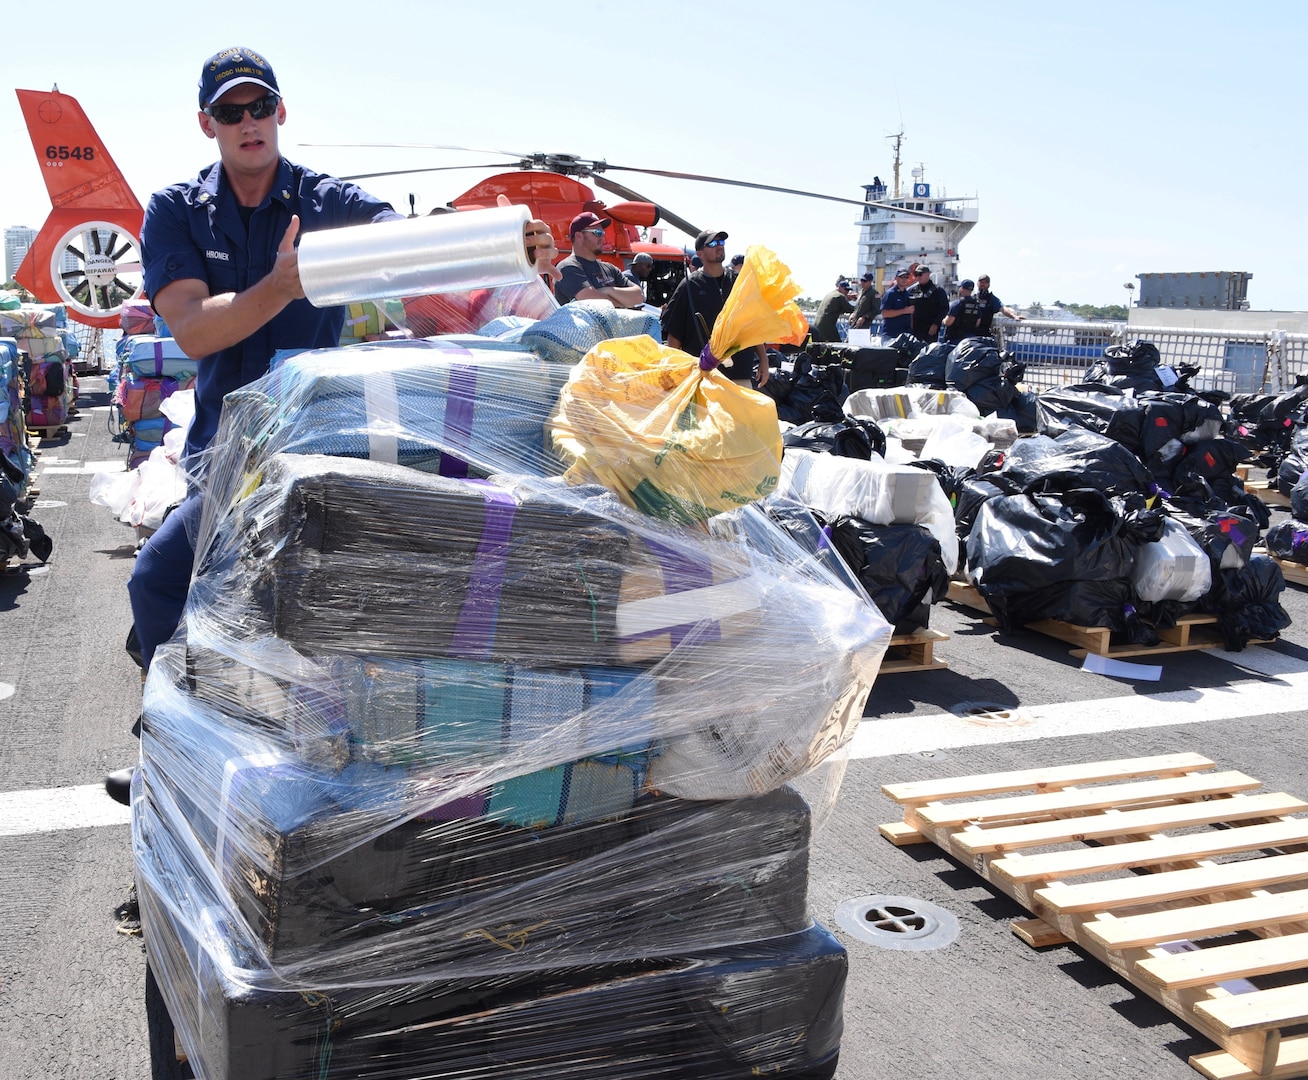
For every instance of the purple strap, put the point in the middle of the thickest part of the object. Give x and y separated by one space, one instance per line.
707 361
460 397
681 574
158 359
475 632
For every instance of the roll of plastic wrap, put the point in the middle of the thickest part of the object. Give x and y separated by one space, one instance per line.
415 256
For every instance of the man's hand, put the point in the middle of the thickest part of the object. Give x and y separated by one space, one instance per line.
541 249
286 269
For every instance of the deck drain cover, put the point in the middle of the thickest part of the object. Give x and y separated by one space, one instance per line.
989 712
898 922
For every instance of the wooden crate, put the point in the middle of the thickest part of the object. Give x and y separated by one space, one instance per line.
1191 632
913 652
1266 490
1121 857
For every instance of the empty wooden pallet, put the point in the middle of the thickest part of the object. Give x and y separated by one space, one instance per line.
1180 877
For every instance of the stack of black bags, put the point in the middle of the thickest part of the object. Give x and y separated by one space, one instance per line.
415 798
1067 525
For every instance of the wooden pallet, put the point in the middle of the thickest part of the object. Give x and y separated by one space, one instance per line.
48 432
1143 891
1292 571
1191 632
1267 491
913 652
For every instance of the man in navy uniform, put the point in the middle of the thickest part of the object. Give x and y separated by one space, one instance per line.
897 306
930 305
220 266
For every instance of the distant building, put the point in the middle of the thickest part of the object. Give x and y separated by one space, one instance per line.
1219 290
18 238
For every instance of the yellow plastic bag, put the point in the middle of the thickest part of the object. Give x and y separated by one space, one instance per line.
760 307
668 438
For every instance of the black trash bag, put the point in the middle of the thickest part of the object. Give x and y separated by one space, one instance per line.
1299 498
1023 410
1268 421
908 347
811 392
900 566
810 530
1103 409
1227 536
40 544
850 436
1289 472
1289 540
976 367
928 366
1249 608
13 544
1129 367
972 492
1078 458
1026 552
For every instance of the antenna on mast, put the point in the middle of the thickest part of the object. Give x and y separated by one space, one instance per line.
899 139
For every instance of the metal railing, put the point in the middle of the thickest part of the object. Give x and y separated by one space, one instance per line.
1235 361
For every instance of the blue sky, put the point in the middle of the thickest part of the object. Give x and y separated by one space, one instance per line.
1102 141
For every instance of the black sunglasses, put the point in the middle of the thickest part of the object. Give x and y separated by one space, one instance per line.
260 109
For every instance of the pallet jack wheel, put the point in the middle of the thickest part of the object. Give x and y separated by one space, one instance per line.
164 1062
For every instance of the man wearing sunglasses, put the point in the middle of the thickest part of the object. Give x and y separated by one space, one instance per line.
930 305
698 300
219 262
588 277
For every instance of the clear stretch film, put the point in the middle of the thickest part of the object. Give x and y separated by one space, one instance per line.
415 256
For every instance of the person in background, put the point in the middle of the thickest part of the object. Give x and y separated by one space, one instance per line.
964 315
930 305
642 265
220 266
737 263
991 306
897 307
585 276
836 303
698 300
869 303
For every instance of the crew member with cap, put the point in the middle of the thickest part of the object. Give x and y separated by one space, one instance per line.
897 306
642 265
835 304
930 305
869 303
991 306
220 266
737 263
964 315
698 300
588 277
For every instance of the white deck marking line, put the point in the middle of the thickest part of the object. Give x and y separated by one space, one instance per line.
55 809
88 467
914 734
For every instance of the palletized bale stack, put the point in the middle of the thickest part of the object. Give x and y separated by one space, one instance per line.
48 367
1087 527
150 369
456 769
19 533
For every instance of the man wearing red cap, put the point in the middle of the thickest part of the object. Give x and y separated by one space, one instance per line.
585 275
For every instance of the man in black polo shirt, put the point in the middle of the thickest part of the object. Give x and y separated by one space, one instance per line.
585 275
930 305
689 317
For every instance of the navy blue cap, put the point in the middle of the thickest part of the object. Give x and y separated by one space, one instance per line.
232 67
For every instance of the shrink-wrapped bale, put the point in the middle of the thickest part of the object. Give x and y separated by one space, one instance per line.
1174 567
771 1006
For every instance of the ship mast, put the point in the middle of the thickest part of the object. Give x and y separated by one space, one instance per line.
899 139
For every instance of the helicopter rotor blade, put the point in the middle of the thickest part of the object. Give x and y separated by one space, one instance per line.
418 146
772 187
664 214
435 168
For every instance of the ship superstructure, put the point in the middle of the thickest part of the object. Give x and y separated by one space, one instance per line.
913 225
